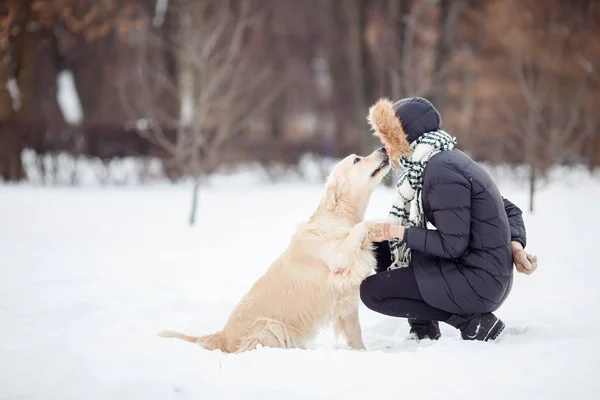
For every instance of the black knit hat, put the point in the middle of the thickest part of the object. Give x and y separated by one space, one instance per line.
417 116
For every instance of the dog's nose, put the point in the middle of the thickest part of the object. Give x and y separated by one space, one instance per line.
383 150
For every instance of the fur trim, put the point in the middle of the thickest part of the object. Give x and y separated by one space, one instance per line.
387 126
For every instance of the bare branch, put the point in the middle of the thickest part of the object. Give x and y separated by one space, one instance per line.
219 87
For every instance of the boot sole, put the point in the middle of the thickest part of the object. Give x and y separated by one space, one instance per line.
496 330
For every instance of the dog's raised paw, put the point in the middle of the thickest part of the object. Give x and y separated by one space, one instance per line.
341 265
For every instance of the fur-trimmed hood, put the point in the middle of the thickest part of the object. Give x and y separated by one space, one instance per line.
401 123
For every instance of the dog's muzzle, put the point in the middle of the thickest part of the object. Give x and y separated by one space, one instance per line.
385 162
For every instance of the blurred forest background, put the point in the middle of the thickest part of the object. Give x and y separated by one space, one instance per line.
207 84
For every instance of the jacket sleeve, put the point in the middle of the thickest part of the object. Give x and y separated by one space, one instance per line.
515 220
451 206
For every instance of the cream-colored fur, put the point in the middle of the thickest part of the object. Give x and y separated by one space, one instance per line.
316 280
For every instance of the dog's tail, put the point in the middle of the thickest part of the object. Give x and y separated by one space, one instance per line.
214 341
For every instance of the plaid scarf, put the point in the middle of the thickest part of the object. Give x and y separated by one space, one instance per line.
407 210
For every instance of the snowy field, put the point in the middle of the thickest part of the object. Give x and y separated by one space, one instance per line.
88 276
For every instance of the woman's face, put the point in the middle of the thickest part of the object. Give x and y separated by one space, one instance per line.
394 155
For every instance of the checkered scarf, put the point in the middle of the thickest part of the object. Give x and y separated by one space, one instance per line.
407 210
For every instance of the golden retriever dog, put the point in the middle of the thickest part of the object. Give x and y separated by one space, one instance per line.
316 280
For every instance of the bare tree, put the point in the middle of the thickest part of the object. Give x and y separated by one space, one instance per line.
218 86
534 82
355 19
34 37
450 11
407 67
549 114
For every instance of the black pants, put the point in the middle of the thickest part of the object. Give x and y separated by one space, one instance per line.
395 293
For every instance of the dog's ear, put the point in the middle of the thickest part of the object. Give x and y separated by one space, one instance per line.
334 189
330 197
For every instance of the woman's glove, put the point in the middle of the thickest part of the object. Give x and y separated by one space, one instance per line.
383 231
524 262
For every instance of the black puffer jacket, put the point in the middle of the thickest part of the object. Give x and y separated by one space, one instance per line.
465 264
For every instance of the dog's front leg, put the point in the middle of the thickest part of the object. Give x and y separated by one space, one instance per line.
350 247
348 325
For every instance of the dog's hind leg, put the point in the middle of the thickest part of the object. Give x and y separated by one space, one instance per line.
269 332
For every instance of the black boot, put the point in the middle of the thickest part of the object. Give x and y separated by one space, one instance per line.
422 329
482 327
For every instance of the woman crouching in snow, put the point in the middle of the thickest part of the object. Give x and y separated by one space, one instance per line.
460 272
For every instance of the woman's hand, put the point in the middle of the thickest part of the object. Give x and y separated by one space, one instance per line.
380 232
524 262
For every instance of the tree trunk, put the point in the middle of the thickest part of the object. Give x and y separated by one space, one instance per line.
12 141
6 101
195 189
277 117
186 82
592 151
342 97
398 10
370 73
595 158
531 155
356 21
532 181
449 18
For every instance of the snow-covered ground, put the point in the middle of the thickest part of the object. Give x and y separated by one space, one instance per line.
88 276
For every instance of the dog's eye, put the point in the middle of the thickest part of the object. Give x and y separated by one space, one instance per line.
356 160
